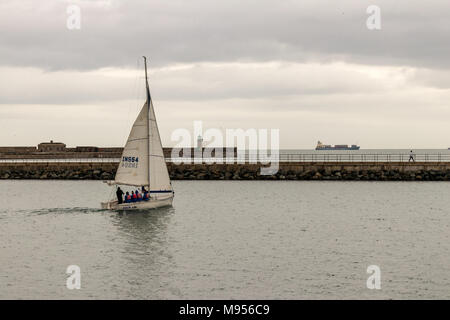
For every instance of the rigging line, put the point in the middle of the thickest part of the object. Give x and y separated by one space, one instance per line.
149 104
130 105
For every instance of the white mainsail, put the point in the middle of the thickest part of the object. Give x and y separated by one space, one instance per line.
159 175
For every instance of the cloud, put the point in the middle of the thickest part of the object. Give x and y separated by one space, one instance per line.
194 82
115 33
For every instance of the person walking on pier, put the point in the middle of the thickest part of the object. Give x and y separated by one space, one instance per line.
119 194
411 156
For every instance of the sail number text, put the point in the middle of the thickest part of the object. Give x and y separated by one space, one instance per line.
130 162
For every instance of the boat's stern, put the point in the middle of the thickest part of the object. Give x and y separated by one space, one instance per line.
110 205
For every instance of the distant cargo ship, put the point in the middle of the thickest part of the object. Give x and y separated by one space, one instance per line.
321 146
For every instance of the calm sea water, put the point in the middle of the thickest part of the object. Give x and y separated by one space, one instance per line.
228 239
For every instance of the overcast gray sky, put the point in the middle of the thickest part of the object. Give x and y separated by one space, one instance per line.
311 68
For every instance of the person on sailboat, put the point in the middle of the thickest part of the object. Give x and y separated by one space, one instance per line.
119 194
138 196
145 194
133 197
127 197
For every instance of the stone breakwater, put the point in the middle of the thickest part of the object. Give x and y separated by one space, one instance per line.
352 171
60 171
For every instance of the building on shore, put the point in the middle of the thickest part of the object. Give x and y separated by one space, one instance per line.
51 147
86 149
59 150
17 150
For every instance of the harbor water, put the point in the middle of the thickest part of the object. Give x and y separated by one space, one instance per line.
228 240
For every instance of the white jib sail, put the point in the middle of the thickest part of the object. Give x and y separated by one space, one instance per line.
159 175
133 167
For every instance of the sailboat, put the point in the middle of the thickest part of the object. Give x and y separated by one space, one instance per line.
142 163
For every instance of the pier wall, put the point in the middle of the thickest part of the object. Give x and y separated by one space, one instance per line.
381 171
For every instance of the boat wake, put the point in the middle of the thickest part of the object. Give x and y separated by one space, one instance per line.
64 210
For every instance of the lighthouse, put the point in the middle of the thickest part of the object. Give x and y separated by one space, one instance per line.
199 142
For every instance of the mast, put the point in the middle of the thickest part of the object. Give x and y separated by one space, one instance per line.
148 118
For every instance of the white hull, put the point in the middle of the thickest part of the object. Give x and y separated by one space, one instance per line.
141 205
